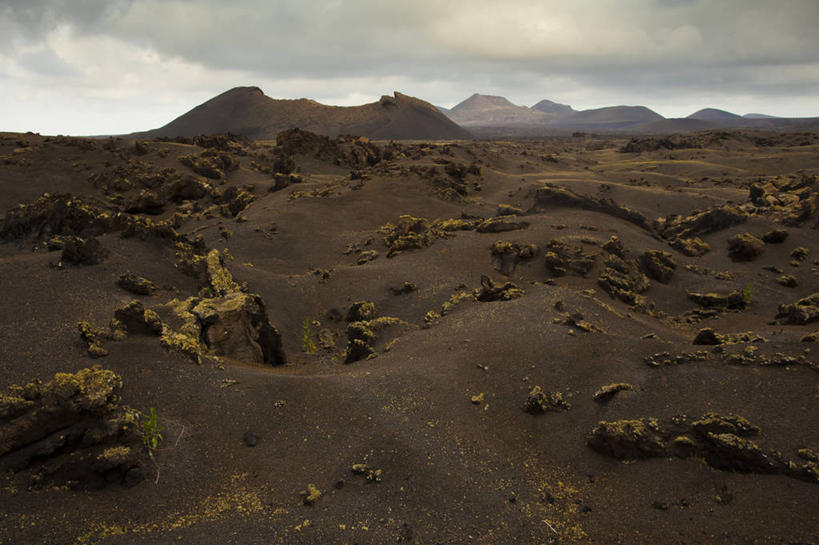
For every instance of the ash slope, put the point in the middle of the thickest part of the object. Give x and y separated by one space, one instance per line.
440 408
249 112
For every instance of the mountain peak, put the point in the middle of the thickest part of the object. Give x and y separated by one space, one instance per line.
551 107
484 101
713 114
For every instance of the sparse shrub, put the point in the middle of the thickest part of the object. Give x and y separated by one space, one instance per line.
308 337
748 294
151 430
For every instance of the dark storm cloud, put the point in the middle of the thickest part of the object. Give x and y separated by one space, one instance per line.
331 38
30 20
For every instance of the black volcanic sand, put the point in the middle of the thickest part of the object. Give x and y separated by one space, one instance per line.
453 471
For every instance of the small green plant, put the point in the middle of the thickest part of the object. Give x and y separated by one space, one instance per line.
308 337
151 430
748 294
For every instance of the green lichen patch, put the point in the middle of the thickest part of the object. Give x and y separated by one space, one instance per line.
362 335
311 495
373 475
607 392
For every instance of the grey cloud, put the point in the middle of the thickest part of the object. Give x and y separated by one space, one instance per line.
45 62
35 17
331 38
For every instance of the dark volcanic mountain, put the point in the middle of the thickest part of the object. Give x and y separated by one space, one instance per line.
713 114
619 117
249 112
759 116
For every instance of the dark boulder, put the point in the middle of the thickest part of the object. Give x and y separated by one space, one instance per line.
83 251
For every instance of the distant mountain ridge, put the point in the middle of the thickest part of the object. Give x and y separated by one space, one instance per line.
249 112
490 115
496 111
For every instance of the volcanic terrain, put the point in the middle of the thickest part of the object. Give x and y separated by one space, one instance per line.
314 339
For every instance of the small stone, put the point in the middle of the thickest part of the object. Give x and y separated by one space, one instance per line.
136 284
406 287
250 439
134 476
539 402
478 399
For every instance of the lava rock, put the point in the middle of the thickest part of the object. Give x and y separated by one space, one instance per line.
236 326
136 284
135 318
658 265
777 236
361 311
539 402
607 392
250 439
71 431
803 311
82 251
745 247
707 336
494 291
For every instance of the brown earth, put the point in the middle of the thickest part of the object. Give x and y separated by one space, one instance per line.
489 398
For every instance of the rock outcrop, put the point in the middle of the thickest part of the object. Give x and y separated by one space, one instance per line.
658 265
71 431
721 440
236 326
562 259
803 311
623 280
496 291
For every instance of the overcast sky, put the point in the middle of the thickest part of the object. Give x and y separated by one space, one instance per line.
116 66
